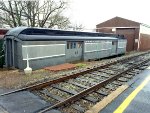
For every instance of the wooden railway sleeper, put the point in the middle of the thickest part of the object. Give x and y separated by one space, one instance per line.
91 89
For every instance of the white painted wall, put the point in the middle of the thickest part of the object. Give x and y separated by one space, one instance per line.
144 29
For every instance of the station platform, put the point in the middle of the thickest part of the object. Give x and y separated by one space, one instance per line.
135 99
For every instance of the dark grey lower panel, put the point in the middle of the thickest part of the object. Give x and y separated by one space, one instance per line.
121 50
97 55
41 63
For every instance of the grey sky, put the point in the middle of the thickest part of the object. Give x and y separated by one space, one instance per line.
91 12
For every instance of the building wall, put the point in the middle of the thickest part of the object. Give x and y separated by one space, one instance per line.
136 41
2 33
144 29
131 34
128 28
144 42
118 22
104 30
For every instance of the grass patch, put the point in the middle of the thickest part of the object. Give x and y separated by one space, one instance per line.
80 65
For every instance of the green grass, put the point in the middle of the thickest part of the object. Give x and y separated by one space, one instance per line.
81 65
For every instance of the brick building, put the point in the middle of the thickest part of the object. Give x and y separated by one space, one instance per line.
3 31
137 34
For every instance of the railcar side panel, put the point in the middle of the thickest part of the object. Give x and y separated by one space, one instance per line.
97 49
121 46
46 47
50 53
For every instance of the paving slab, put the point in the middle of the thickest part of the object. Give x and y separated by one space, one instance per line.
53 111
60 67
4 90
2 110
21 102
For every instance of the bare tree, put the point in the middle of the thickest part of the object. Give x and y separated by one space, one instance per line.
76 27
48 13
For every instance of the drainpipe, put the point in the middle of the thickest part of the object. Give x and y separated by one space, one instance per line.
139 41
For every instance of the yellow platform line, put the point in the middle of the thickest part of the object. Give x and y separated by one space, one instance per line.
128 100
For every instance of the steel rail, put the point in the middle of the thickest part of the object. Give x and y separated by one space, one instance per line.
58 80
91 89
73 75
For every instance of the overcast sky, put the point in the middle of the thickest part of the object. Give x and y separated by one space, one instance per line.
91 12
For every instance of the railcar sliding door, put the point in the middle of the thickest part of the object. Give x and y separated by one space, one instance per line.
9 52
114 47
74 51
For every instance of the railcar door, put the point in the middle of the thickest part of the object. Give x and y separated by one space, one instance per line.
114 48
9 52
1 53
74 51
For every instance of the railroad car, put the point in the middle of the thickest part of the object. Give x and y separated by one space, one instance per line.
47 47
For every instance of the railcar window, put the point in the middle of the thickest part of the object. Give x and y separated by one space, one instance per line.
79 45
71 46
68 45
74 45
113 43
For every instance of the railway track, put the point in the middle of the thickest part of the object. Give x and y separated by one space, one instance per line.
81 90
